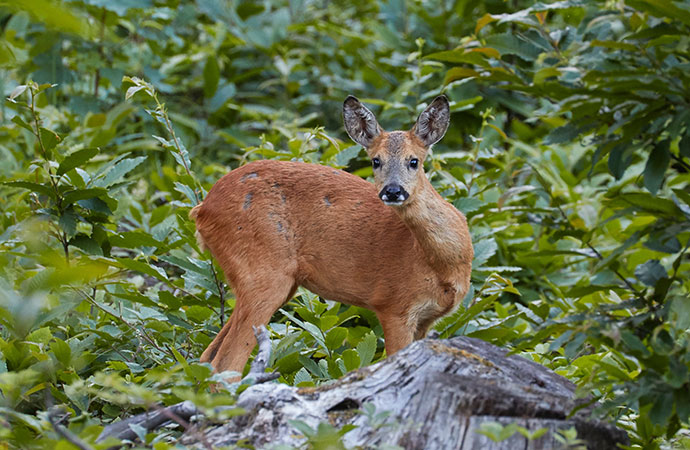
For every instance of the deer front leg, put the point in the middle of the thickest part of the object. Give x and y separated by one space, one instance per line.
397 332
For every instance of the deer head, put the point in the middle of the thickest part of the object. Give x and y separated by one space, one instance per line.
397 157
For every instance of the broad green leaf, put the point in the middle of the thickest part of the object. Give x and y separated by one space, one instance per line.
656 166
76 159
49 139
336 337
34 187
62 351
351 359
75 195
211 76
650 272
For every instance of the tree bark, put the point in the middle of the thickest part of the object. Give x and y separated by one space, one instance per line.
438 394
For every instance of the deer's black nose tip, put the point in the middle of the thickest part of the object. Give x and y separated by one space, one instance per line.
393 193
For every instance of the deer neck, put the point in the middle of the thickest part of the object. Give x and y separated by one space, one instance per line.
440 229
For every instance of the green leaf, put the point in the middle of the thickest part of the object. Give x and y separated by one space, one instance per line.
82 194
76 159
119 170
62 351
661 409
135 239
566 133
483 250
634 343
684 144
68 223
336 337
34 187
19 121
351 359
656 166
682 397
142 267
211 76
49 139
459 73
302 377
222 96
511 44
650 272
367 348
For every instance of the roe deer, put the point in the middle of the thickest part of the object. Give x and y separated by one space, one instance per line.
395 247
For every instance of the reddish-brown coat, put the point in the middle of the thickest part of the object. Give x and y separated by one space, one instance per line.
274 226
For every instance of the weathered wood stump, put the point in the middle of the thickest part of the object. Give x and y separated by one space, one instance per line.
438 393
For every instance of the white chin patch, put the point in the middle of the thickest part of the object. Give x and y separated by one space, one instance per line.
398 203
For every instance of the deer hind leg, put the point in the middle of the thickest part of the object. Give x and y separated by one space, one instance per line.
256 301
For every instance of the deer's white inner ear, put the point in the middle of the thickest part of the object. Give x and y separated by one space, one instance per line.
433 122
360 123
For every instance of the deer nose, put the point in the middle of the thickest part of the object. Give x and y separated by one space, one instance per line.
393 193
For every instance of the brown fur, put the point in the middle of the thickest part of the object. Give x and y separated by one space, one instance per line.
274 226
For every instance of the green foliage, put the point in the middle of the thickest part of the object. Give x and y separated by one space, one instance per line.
568 152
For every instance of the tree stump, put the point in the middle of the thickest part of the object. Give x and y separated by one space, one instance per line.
438 394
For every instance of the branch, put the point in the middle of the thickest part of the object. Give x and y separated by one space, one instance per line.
59 429
149 421
182 412
257 372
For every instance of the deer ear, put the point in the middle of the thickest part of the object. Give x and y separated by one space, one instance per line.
433 121
360 123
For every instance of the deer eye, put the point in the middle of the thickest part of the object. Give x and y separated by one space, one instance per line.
414 163
376 163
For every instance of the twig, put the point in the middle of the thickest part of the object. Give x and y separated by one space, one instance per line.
180 413
257 372
59 429
141 332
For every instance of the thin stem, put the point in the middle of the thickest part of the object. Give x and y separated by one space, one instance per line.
138 331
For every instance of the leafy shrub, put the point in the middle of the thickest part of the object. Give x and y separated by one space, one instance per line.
568 152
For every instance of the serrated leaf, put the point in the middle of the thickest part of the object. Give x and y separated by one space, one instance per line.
302 376
187 192
76 159
483 250
119 170
367 348
143 267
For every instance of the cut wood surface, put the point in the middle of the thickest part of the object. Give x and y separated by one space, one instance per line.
438 393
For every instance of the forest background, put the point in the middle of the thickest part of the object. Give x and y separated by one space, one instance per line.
568 151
